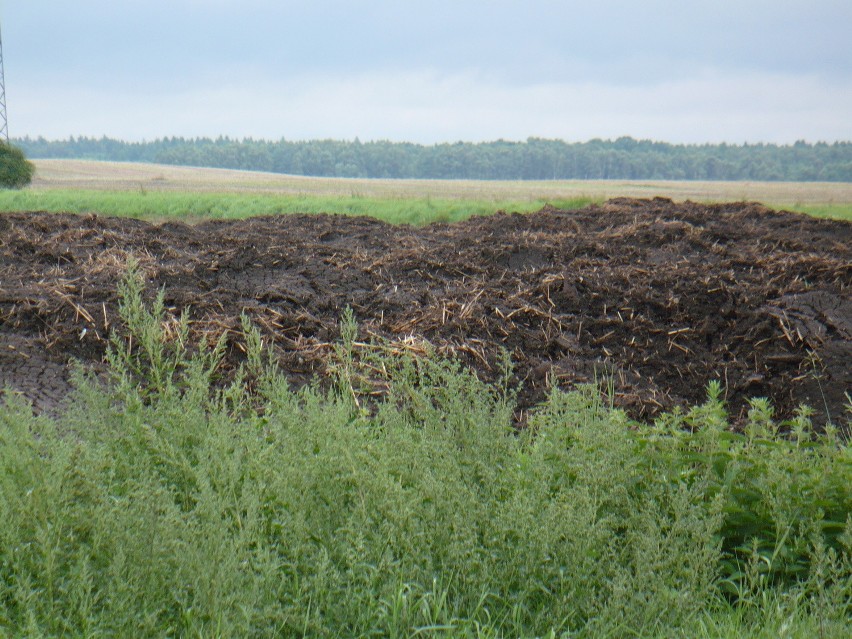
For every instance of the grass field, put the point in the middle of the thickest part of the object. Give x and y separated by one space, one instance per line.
160 192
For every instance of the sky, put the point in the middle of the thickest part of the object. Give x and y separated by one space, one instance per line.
683 71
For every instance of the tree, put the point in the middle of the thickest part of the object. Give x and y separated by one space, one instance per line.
15 170
533 159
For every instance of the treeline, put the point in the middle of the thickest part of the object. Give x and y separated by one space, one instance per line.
534 159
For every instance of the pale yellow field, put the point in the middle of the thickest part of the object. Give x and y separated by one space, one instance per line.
110 176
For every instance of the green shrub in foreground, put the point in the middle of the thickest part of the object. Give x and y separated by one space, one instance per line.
15 170
160 506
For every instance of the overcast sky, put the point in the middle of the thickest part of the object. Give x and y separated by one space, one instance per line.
431 71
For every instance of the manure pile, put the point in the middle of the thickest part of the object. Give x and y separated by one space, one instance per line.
656 297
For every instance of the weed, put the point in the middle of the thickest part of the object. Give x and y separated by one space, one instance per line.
165 504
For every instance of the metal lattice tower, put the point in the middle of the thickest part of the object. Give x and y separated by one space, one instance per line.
4 122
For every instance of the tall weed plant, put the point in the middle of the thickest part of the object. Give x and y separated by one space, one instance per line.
171 502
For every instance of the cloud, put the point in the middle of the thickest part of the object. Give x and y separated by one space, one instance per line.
427 106
734 70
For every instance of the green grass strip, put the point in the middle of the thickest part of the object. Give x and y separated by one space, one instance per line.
160 205
829 211
192 206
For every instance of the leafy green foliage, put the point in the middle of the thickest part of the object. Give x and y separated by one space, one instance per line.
171 503
15 171
784 496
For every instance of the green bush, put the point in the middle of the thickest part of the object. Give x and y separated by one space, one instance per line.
172 503
15 170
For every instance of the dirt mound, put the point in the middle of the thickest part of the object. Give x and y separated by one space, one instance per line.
657 296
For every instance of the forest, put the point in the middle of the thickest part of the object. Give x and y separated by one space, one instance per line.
534 159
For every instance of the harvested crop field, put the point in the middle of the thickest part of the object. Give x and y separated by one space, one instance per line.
655 297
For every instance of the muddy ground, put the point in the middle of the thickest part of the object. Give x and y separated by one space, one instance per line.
658 297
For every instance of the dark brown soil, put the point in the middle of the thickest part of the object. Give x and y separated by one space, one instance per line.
657 297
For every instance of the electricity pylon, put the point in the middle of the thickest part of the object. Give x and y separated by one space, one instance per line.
4 122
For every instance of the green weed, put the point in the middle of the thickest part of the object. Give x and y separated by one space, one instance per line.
173 502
